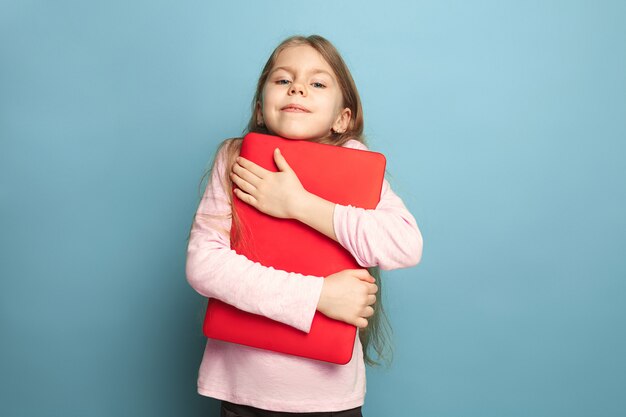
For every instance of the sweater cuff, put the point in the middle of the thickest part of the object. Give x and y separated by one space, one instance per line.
339 215
309 301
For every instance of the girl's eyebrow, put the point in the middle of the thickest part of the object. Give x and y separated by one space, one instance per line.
311 71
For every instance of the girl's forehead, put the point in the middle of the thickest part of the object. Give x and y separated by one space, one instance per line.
301 56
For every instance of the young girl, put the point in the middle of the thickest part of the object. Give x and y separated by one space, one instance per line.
305 92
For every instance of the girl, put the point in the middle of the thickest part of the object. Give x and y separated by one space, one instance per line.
305 92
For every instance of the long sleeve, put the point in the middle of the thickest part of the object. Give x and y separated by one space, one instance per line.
387 236
215 270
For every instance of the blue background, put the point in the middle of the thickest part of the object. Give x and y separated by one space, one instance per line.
504 128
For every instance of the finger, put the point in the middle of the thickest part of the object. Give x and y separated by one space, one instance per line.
242 183
246 174
257 170
280 160
246 198
373 289
363 274
371 299
368 312
366 279
361 323
366 274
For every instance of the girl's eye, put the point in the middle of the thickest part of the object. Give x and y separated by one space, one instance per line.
282 82
318 85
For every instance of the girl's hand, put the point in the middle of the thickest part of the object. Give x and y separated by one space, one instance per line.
348 296
273 193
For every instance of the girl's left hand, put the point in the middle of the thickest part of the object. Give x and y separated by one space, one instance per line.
275 193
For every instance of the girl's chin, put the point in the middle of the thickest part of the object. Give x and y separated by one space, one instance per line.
294 135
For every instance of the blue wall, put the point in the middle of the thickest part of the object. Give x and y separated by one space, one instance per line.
504 127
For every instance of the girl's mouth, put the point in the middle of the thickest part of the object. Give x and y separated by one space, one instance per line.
295 108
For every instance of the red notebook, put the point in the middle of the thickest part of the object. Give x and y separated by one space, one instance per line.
341 175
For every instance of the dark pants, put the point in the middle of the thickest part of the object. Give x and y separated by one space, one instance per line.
236 410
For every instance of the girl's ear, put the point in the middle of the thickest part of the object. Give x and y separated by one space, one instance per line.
343 121
259 114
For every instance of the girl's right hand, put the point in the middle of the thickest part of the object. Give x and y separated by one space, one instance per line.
348 296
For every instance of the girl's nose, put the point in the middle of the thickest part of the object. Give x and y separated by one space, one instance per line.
297 88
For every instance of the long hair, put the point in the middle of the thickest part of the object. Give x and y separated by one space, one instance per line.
378 332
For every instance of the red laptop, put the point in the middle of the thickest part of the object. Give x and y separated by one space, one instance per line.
341 175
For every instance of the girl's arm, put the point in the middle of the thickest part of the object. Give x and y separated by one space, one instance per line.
387 236
215 270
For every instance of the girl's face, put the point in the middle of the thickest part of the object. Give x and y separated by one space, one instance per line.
301 98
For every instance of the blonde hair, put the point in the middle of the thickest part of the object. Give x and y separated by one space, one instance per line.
377 334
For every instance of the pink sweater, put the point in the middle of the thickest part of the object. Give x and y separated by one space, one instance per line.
387 236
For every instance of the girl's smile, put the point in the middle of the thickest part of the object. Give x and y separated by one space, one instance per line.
295 108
